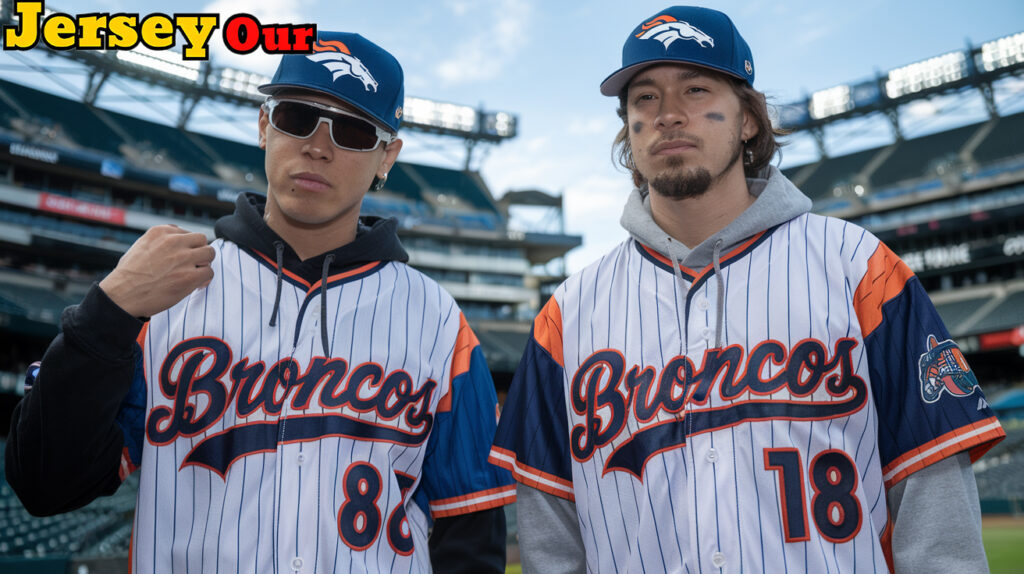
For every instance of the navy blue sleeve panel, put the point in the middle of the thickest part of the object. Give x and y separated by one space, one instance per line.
131 418
533 437
928 400
457 479
65 445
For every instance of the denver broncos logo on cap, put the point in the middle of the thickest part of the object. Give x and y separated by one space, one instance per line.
336 57
943 368
667 29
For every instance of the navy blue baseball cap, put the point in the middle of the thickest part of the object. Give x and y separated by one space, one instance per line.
687 35
350 68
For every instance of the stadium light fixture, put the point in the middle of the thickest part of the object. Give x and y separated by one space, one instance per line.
926 74
831 102
458 120
167 62
240 82
1002 52
440 114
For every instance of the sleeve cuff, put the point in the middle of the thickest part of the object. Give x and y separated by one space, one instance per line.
109 331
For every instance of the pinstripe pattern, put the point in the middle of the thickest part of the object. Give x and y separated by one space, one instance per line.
688 489
277 510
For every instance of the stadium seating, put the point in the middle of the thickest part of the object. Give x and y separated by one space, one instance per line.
956 312
835 171
916 158
999 472
103 528
1005 140
1007 315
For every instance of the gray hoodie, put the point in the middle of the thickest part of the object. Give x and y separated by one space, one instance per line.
924 508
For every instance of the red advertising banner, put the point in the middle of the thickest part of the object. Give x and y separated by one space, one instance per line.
77 208
1002 339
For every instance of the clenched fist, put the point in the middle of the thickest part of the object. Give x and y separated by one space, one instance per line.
160 269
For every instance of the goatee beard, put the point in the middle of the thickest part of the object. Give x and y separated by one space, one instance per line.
681 184
678 183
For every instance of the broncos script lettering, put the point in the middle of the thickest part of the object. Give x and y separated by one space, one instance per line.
191 376
597 388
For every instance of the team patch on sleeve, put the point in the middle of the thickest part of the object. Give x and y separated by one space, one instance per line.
920 380
533 439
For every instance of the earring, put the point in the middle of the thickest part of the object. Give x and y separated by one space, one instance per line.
748 155
378 183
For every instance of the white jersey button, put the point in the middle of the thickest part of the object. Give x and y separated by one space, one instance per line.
702 304
301 458
718 559
712 455
296 563
706 333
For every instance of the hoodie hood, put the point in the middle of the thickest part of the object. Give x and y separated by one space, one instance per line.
376 240
778 201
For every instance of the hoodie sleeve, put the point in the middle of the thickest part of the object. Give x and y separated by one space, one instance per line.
77 432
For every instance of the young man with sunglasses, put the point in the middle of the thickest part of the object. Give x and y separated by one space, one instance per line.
741 385
295 397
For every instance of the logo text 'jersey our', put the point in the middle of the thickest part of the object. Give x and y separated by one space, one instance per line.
605 395
194 376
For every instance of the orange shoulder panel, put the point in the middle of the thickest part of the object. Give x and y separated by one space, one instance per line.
885 278
547 330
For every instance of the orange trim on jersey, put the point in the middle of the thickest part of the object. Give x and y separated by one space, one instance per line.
697 276
547 330
465 343
126 467
666 261
340 276
976 437
483 500
141 339
886 541
283 270
884 279
530 476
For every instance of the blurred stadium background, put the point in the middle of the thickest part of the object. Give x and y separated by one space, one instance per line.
929 157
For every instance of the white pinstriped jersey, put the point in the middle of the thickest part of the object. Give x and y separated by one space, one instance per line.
260 454
835 379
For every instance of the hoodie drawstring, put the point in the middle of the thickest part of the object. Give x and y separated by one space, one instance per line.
279 247
720 307
677 263
323 303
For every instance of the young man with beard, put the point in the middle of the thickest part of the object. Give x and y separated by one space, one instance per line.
741 385
296 398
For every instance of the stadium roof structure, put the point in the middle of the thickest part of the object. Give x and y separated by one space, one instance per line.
194 82
973 68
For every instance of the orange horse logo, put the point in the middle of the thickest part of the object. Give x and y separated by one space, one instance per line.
667 29
336 57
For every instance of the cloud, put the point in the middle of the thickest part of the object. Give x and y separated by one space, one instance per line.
591 125
266 13
484 54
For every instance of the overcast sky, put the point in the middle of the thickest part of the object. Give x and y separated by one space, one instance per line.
543 61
